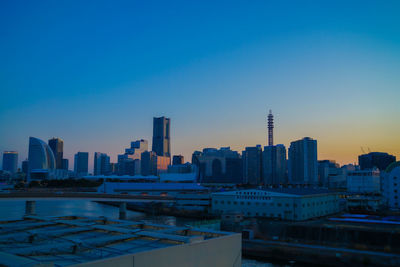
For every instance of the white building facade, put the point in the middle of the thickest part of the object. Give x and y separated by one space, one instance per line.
286 203
364 181
391 186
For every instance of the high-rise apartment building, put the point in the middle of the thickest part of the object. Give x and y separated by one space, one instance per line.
101 164
274 165
303 164
161 136
10 161
81 162
57 146
252 165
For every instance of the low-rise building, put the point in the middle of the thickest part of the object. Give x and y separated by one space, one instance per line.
364 181
295 204
82 241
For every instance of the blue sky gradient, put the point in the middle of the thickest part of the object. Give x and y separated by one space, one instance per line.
94 73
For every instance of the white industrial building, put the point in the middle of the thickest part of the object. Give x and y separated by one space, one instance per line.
283 203
364 181
391 185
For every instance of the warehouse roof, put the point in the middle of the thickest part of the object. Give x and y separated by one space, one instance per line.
72 240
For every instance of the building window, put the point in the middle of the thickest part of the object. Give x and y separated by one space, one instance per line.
287 205
248 203
228 202
279 205
216 202
241 203
234 203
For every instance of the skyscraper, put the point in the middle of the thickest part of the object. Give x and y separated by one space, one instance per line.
274 165
161 136
303 164
252 165
41 159
25 166
10 161
101 164
57 146
65 164
81 161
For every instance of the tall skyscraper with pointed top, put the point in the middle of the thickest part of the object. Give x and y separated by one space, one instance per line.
270 128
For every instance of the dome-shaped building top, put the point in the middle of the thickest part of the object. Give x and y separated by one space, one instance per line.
392 166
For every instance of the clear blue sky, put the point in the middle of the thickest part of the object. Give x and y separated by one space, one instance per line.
94 73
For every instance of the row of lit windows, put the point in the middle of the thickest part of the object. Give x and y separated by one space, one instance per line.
253 197
272 203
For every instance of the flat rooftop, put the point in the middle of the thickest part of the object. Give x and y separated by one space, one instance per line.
71 240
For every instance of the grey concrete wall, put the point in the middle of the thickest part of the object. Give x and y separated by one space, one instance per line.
222 252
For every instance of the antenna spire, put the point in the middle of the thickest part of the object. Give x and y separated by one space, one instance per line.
270 128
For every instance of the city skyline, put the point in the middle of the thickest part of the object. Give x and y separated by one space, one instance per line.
327 71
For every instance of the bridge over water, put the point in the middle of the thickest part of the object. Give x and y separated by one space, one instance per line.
32 197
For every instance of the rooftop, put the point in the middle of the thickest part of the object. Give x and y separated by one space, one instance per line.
70 240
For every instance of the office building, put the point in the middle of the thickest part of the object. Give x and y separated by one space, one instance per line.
149 163
294 204
391 185
25 166
41 160
327 170
65 164
57 146
364 181
303 164
375 159
161 136
274 165
252 165
81 162
178 160
10 161
101 164
218 165
129 162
